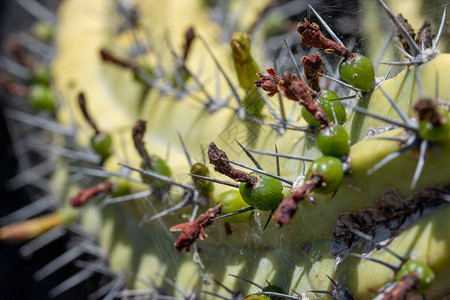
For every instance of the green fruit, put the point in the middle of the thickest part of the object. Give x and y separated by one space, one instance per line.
232 201
121 187
330 169
333 141
41 75
273 289
43 31
205 187
41 98
331 109
422 271
159 166
435 134
358 71
101 143
265 194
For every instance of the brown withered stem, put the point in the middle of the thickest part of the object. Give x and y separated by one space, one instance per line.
288 207
86 114
85 195
219 158
13 88
424 35
191 231
268 83
313 66
409 282
313 37
138 138
108 56
408 29
189 37
427 110
294 89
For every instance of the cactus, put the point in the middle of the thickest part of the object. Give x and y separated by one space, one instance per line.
389 187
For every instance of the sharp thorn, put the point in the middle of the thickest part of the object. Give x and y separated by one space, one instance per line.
188 157
388 73
160 177
409 126
268 219
252 158
441 28
419 82
281 155
420 163
243 210
390 266
340 82
260 171
277 159
413 46
232 184
396 107
246 280
291 55
230 84
325 25
387 159
279 295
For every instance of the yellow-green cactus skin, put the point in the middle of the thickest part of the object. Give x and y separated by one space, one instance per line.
297 257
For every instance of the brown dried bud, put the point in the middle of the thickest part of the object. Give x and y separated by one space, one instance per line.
107 56
288 207
424 35
138 138
427 110
294 89
219 159
85 195
313 66
408 29
268 83
191 231
313 37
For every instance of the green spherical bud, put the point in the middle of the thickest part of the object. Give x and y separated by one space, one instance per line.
121 186
331 109
41 98
159 166
330 170
358 71
101 143
43 31
422 271
232 201
265 194
205 187
435 133
333 141
41 75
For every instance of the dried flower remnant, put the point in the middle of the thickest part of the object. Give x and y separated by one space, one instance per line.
294 89
86 114
191 231
288 207
219 158
408 29
313 66
313 37
424 35
138 138
108 56
268 83
427 110
189 37
85 195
